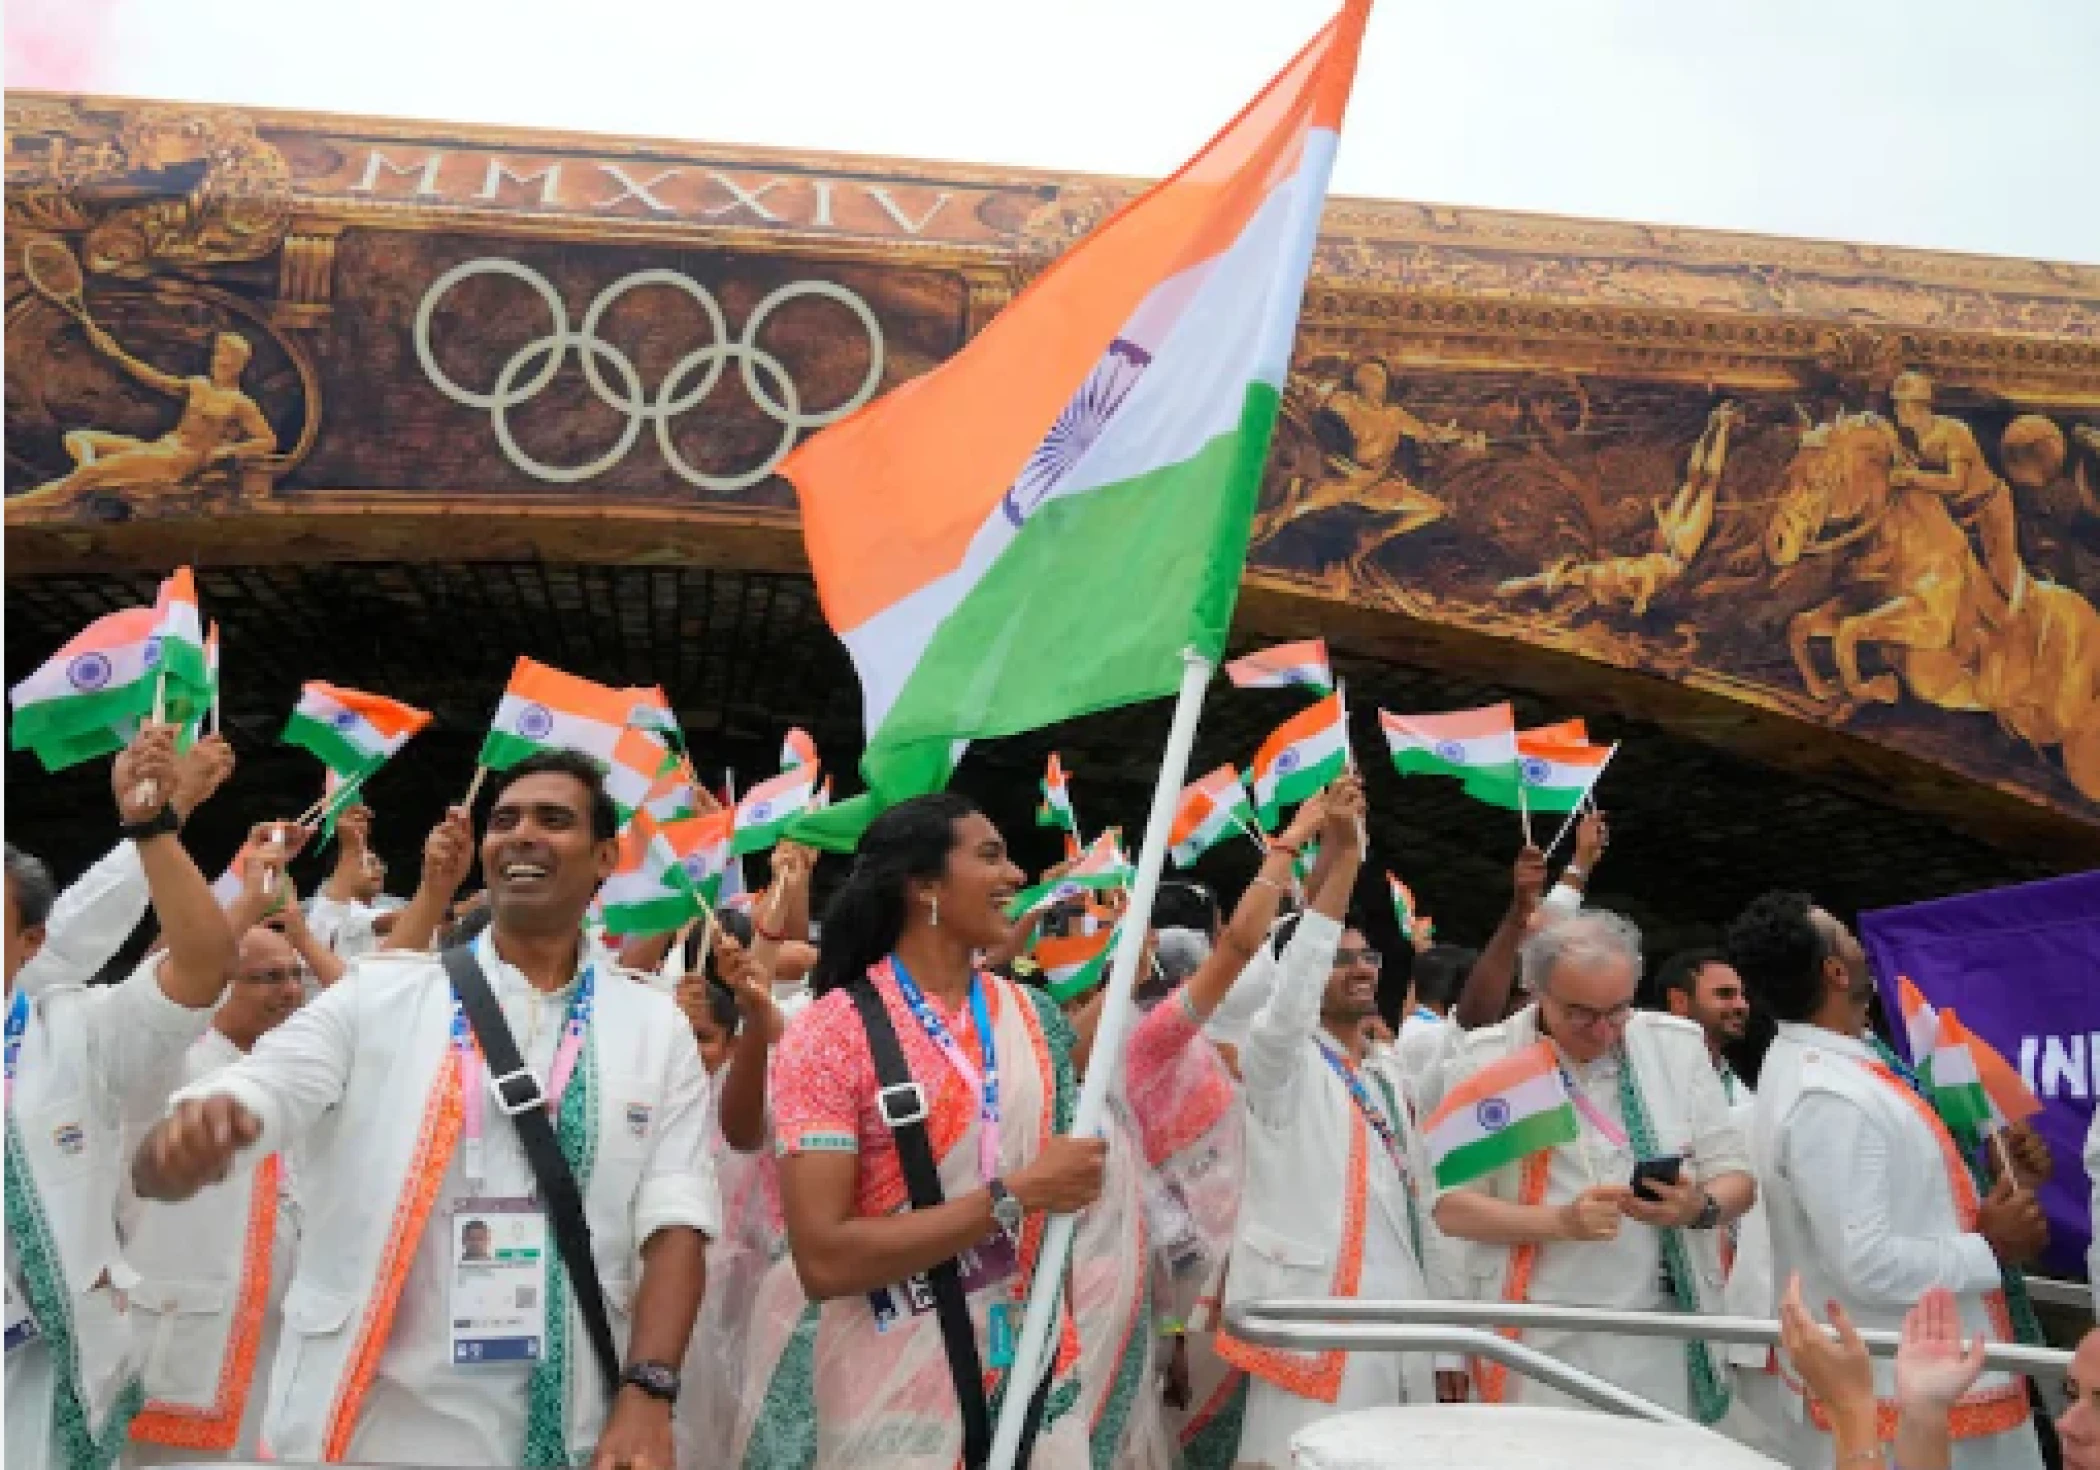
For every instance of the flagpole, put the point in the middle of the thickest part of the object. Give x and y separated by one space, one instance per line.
1047 1289
1564 826
1253 834
1341 690
481 774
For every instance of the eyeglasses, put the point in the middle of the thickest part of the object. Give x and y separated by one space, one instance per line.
1348 959
1587 1018
296 975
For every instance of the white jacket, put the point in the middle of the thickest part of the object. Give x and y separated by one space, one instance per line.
359 1079
1303 1207
96 1064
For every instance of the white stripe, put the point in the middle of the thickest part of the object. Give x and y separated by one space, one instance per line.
1534 1095
325 711
592 737
1236 328
1323 745
1480 750
1952 1066
127 665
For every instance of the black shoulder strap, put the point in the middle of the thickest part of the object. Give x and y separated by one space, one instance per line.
519 1095
902 1102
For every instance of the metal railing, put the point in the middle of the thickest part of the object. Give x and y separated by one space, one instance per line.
2076 1294
1327 1324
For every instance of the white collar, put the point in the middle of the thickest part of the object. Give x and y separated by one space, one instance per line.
1801 1033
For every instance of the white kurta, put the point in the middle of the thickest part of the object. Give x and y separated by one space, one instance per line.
343 925
1856 1192
1288 1085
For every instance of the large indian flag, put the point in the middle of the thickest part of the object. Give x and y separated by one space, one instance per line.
1210 811
546 709
69 710
349 731
1300 758
978 534
1504 1112
1467 742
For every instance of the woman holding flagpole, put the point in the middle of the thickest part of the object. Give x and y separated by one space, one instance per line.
990 1087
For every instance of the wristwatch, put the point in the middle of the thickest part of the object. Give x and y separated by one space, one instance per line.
658 1380
1006 1210
163 821
1709 1213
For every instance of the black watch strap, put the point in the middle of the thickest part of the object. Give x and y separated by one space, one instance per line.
658 1380
159 824
1709 1213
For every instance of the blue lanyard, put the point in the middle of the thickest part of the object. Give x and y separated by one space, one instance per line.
17 1022
985 1083
1373 1114
566 1053
1423 1013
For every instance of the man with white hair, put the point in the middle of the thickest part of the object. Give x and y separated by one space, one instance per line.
1565 1225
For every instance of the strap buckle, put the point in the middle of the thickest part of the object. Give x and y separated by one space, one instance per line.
902 1104
517 1092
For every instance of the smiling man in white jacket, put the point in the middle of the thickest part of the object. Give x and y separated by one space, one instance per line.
405 1151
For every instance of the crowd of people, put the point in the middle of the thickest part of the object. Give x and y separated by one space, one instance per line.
458 1180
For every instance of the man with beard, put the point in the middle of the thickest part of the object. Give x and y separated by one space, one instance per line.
1700 985
392 1352
1318 1129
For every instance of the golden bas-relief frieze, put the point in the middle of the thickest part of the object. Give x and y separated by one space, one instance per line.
1856 486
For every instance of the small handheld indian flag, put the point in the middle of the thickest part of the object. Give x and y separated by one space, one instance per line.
1285 665
1211 810
1957 1085
2012 1100
649 892
701 845
1056 810
797 750
1921 1023
1404 909
762 817
638 760
178 648
1103 867
1465 743
652 712
1556 775
545 709
348 731
1300 759
1505 1112
1073 964
675 793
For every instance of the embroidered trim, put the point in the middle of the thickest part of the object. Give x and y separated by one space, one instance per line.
1492 1377
548 1388
1318 1375
50 1298
439 1134
1112 1417
218 1427
1212 1441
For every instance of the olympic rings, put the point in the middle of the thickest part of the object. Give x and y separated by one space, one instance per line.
535 365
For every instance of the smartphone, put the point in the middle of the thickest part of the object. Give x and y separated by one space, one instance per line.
1665 1169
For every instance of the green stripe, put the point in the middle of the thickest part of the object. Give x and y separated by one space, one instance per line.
651 915
502 750
326 744
1497 789
1301 785
758 839
1415 761
1065 583
1028 898
1963 1106
1498 1150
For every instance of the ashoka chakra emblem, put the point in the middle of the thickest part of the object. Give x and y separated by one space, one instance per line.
1493 1114
760 812
344 719
1078 426
1288 762
152 653
1450 751
1535 771
535 722
89 672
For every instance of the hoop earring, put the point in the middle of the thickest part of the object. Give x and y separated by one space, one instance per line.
934 903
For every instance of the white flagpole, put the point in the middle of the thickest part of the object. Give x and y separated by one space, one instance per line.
1586 796
1032 1349
1341 689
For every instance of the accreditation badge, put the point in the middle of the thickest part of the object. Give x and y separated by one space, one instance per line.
498 1276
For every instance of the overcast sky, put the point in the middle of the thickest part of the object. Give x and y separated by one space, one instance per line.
1959 126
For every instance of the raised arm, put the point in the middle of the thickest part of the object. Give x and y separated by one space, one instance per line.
1486 994
201 951
145 372
1255 913
448 856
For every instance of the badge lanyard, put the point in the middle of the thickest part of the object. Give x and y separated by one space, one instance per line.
987 1086
17 1022
472 1101
1598 1118
1371 1111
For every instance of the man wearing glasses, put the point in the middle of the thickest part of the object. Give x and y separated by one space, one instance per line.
1567 1225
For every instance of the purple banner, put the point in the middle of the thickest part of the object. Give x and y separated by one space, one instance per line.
2021 966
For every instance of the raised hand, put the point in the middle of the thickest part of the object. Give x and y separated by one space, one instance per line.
1592 836
1933 1368
1837 1372
448 853
143 774
1528 884
199 772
